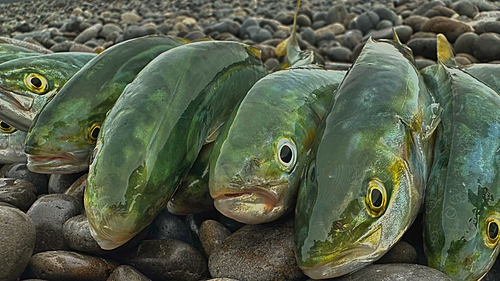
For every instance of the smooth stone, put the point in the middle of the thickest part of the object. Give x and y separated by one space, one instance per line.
385 14
84 25
48 214
440 11
356 51
19 193
195 35
108 29
339 54
66 265
168 259
19 171
462 61
245 25
258 252
337 65
402 252
169 226
490 15
212 235
303 21
423 34
271 64
17 242
416 22
488 26
384 24
427 6
89 33
423 63
465 43
226 26
127 273
320 16
59 183
318 24
465 8
261 35
396 272
135 32
404 33
24 27
337 13
77 47
130 17
425 47
77 235
365 22
308 35
470 57
285 18
328 32
78 188
352 38
487 47
449 27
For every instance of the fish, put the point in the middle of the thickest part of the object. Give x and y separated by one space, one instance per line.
192 195
64 134
364 184
26 84
486 73
154 133
462 200
17 44
258 160
11 144
8 57
9 49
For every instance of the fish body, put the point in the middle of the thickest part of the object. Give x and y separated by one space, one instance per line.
259 157
22 45
462 203
64 134
364 185
6 48
8 57
27 83
154 133
11 144
486 73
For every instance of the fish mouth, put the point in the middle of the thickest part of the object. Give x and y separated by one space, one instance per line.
252 206
65 163
16 109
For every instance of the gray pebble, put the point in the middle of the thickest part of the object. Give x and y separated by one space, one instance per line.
19 193
465 8
385 14
423 63
271 63
130 17
19 171
337 13
339 54
449 27
396 272
66 265
167 225
48 214
465 43
303 21
352 38
88 33
77 47
59 183
245 25
320 16
487 47
285 18
427 6
365 22
16 244
402 252
77 235
488 26
108 29
127 273
384 24
318 24
168 259
212 234
226 26
260 35
257 252
404 33
425 47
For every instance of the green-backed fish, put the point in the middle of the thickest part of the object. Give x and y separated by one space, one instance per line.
24 46
11 144
64 134
9 49
154 133
258 160
486 73
27 83
192 195
462 201
8 57
364 186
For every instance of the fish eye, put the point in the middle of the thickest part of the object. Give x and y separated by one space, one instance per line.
286 153
36 82
6 128
376 198
492 231
94 132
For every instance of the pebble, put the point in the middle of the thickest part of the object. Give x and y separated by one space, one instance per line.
59 183
17 242
285 18
465 8
423 63
271 63
108 29
396 272
440 11
339 54
465 43
425 47
386 14
260 35
127 273
212 234
257 252
303 21
384 24
488 26
404 33
449 27
402 252
328 32
19 171
226 26
66 265
77 236
365 22
168 259
352 38
308 35
130 17
77 188
415 22
336 14
19 193
48 214
167 225
135 31
427 6
487 47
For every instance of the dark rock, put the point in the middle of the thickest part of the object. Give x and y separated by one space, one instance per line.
402 252
320 16
337 13
59 183
486 6
127 273
469 57
285 18
494 272
257 252
328 32
19 193
338 65
226 26
19 171
427 6
440 11
423 63
396 271
270 25
108 29
130 17
308 35
212 234
488 26
166 225
89 33
487 47
415 22
462 61
384 24
77 235
352 38
271 63
281 35
66 265
48 214
195 35
425 47
16 244
449 27
246 24
385 14
465 43
77 47
84 25
356 51
260 35
77 188
465 8
24 27
422 34
318 24
404 33
339 54
168 259
303 21
266 51
134 32
365 22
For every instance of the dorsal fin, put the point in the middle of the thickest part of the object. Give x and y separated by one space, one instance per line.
444 52
292 46
395 36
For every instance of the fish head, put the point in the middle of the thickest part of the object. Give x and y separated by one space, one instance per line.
11 144
256 164
354 202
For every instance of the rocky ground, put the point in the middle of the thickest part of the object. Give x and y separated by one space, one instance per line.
47 237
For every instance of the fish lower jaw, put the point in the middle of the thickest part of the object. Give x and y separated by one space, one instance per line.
248 208
106 243
54 165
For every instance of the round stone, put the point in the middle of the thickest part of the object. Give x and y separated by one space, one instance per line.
212 234
19 193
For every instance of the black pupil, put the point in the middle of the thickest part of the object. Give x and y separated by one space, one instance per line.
4 125
95 132
286 154
376 197
493 230
36 82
